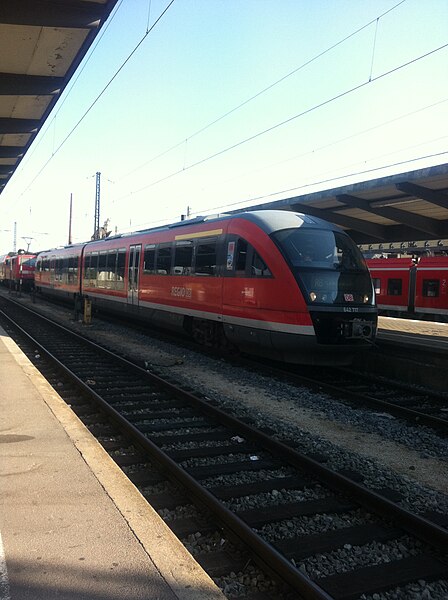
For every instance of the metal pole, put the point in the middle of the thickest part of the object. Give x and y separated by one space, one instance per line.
70 222
96 227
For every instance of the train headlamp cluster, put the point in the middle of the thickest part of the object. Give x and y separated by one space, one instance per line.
325 297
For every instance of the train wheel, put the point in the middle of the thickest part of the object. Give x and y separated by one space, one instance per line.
208 333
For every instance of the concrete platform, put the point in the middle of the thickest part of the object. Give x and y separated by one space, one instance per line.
73 527
414 333
414 327
414 352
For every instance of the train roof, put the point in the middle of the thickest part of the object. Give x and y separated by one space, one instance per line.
269 221
390 262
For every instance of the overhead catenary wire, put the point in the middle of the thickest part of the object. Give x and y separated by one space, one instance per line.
341 140
333 179
315 183
93 103
307 111
202 129
271 86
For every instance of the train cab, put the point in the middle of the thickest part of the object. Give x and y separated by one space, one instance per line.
308 278
17 269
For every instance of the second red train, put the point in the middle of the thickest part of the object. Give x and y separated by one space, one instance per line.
405 287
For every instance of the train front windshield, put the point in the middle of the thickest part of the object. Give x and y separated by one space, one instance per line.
29 262
328 266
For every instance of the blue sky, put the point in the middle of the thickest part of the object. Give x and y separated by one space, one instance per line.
330 120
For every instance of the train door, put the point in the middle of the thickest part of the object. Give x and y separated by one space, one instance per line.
133 273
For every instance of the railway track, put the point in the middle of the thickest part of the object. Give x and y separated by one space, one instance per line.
411 403
254 486
417 406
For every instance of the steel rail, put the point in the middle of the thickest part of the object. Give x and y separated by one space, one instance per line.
266 553
394 409
418 526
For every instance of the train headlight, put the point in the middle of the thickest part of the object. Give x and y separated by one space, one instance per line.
365 298
313 296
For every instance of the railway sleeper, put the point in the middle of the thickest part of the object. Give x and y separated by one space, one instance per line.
375 579
308 545
260 516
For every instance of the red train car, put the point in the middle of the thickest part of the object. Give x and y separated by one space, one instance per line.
3 259
274 283
407 287
431 287
57 271
391 279
17 270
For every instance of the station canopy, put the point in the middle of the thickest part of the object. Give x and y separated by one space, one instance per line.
42 42
409 210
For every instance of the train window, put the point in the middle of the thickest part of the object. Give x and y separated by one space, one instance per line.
93 271
431 288
121 263
59 269
259 267
102 261
321 249
149 259
86 266
376 285
205 263
29 262
394 287
111 268
72 275
75 268
102 269
163 260
63 274
245 261
183 256
240 258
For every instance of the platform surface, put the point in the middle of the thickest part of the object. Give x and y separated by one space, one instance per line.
72 526
409 331
413 326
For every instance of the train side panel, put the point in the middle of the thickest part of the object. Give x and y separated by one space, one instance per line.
431 290
391 279
181 277
58 272
104 274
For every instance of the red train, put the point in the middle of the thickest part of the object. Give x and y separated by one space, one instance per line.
17 270
406 287
273 283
